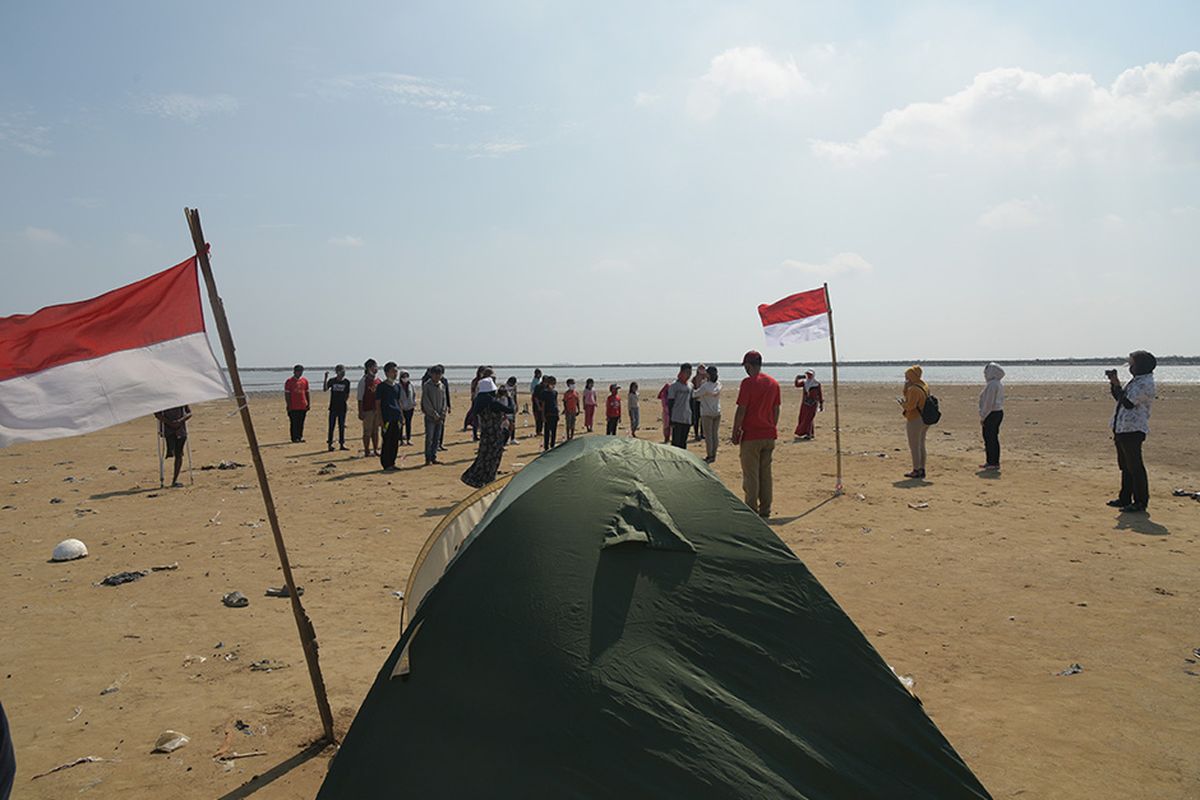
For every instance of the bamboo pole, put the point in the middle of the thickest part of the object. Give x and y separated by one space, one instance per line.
837 421
308 637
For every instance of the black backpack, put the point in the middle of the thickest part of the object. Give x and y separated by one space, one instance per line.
930 412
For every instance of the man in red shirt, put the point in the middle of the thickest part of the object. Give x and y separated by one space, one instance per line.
295 391
754 430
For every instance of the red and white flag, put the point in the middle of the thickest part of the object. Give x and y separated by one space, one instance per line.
801 317
80 367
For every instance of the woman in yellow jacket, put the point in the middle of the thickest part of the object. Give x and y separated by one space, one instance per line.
916 392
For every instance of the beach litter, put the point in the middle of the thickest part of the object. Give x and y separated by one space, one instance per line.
235 600
1186 493
918 506
1074 669
123 577
223 465
75 715
282 591
169 742
69 550
266 665
115 686
55 501
328 469
68 765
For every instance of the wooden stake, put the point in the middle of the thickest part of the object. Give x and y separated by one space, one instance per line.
308 636
837 421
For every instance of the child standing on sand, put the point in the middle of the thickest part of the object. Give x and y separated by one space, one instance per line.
612 410
589 404
635 413
570 407
666 412
549 412
511 386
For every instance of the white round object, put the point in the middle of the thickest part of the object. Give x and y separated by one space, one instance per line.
69 550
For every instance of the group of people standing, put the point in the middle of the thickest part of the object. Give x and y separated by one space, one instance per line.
691 406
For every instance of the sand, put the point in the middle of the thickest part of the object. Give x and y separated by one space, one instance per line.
982 596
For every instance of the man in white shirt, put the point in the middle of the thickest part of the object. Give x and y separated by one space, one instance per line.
1131 423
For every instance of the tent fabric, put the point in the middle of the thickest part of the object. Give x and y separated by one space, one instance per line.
620 625
444 543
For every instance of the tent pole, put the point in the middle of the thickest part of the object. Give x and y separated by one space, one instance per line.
837 421
308 636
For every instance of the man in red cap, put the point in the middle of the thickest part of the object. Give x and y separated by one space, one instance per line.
754 431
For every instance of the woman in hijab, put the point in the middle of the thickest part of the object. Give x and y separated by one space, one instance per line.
811 401
916 392
489 412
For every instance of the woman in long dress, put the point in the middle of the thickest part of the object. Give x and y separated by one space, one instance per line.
490 412
811 401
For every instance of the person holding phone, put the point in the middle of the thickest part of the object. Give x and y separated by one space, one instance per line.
1130 425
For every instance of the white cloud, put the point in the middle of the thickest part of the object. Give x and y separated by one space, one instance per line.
184 107
841 264
346 241
494 149
1013 215
1148 111
613 266
749 71
645 99
44 236
405 90
19 133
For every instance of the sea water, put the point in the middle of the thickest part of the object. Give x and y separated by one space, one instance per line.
652 376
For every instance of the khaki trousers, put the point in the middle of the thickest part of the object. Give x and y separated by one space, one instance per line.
710 427
917 430
756 457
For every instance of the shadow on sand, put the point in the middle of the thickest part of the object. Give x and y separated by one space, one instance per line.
1140 523
127 492
912 483
779 521
276 772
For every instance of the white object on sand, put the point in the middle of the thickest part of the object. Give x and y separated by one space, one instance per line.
169 741
69 550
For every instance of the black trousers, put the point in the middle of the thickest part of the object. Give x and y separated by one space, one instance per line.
538 419
406 435
1135 484
391 441
679 434
696 431
610 425
991 437
296 418
338 416
549 431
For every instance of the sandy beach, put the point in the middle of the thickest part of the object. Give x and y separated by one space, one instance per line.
980 588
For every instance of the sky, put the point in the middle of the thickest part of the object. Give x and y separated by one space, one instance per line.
553 182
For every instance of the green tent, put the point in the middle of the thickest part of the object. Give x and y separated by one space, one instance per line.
614 622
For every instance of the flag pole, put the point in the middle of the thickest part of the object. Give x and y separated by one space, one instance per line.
308 636
837 422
